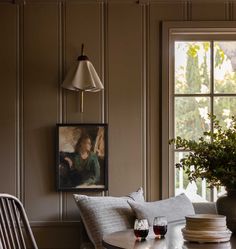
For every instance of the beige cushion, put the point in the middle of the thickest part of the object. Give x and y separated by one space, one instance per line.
103 215
175 209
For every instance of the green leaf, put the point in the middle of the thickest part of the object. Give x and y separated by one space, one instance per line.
213 160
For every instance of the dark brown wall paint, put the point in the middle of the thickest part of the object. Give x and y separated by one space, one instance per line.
39 41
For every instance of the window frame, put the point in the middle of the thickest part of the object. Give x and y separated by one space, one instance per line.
171 32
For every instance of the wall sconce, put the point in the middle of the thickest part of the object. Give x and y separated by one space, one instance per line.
82 77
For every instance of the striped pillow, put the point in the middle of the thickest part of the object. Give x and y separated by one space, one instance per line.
104 215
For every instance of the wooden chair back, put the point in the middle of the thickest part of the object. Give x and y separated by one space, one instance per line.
15 231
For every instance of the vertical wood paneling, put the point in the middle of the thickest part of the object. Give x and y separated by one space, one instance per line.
208 11
233 11
71 209
8 121
127 35
145 83
125 85
158 12
82 27
40 109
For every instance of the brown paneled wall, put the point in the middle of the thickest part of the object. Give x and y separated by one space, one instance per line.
39 41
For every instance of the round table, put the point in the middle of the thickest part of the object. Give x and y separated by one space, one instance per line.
172 240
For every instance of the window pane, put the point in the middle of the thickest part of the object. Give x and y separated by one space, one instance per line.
181 181
192 67
225 66
191 116
196 191
224 109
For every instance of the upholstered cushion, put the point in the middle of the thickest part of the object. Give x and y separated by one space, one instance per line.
103 215
175 209
137 195
205 208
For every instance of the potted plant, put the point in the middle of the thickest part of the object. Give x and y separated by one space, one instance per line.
214 159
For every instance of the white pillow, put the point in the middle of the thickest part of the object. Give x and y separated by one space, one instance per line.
175 209
104 215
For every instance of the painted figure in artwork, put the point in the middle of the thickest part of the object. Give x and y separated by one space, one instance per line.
80 167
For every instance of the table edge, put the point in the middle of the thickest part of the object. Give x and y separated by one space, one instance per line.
108 246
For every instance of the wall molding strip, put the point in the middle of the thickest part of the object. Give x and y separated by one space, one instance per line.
102 58
231 10
35 224
115 1
60 91
145 41
20 188
105 72
187 12
106 62
18 97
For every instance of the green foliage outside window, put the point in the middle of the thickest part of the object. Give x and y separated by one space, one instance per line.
213 156
193 75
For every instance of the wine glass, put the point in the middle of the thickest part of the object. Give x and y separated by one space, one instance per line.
160 226
141 229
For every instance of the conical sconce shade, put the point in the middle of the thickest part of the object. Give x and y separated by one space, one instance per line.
82 76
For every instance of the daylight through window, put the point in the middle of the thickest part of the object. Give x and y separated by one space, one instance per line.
204 82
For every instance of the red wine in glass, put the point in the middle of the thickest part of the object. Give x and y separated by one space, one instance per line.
160 230
160 226
141 233
141 229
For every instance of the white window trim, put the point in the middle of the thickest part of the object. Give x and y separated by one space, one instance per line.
172 31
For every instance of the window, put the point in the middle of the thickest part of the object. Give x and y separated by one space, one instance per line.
200 79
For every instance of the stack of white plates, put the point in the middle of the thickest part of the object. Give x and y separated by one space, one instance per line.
206 228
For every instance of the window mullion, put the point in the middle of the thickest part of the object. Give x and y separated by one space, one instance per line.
212 97
212 83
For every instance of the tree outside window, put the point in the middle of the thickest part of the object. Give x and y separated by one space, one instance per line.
204 82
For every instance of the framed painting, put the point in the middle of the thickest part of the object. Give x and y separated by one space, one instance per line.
82 157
